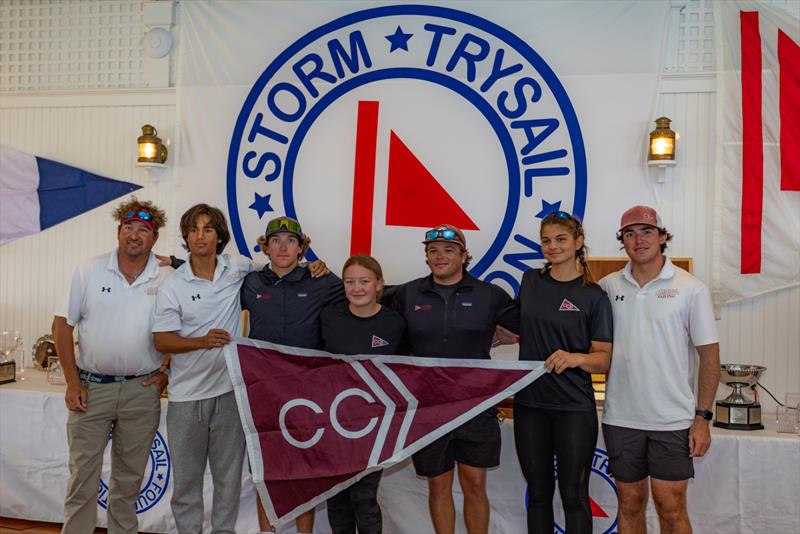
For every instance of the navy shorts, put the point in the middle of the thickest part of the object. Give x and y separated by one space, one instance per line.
476 443
634 454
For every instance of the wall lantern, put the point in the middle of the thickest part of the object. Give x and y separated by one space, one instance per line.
662 144
151 150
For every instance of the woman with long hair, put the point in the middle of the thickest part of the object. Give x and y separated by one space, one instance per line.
566 322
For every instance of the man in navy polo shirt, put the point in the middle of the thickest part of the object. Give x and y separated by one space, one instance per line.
115 385
451 314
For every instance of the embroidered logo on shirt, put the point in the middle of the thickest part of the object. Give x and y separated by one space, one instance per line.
104 289
424 307
467 304
669 293
619 297
568 306
234 277
265 296
378 342
195 297
151 291
302 295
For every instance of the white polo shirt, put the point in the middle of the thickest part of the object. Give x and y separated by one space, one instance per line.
114 319
190 307
656 327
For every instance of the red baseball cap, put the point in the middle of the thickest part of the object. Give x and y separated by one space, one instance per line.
640 215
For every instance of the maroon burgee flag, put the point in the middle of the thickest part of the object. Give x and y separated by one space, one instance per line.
315 422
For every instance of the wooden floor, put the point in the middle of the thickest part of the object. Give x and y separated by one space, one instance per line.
17 526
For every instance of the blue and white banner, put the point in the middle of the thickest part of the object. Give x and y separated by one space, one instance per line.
370 122
37 193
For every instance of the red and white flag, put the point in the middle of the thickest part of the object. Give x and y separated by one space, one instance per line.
757 223
315 423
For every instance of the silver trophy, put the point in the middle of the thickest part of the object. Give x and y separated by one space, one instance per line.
737 411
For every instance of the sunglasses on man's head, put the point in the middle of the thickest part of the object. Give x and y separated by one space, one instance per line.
288 225
445 233
143 215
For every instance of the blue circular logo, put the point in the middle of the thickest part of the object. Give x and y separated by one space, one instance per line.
155 482
387 121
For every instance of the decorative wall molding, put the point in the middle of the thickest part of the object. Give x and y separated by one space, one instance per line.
88 98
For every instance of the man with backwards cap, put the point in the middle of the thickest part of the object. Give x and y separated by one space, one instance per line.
652 422
451 314
114 385
284 303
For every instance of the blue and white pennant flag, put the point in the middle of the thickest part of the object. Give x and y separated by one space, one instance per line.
37 193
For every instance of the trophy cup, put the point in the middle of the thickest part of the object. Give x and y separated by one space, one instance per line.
737 411
10 341
42 350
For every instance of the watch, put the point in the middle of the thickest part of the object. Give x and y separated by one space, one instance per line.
705 414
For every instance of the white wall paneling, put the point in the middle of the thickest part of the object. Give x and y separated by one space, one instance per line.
96 132
65 44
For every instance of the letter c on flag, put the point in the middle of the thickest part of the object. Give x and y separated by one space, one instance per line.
285 432
351 434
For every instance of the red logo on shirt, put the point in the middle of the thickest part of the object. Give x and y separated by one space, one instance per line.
265 296
424 307
378 342
568 306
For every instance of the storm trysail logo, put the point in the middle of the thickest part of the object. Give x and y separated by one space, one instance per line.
408 116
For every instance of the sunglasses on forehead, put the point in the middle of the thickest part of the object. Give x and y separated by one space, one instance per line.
563 215
143 215
287 225
444 233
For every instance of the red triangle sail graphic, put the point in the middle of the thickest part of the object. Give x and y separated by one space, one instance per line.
415 198
597 511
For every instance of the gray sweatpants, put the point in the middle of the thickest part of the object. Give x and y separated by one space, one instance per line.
199 431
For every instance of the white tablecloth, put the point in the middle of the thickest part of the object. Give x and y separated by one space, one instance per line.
748 482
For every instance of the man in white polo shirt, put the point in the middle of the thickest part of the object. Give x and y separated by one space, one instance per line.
653 423
197 312
114 386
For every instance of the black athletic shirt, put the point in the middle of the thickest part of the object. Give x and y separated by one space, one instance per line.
345 333
561 315
459 326
285 310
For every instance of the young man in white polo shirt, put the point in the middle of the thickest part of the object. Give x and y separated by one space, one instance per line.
197 312
114 386
652 423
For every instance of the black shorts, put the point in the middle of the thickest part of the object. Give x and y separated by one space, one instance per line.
476 443
635 454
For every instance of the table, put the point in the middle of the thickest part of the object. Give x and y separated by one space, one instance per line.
748 482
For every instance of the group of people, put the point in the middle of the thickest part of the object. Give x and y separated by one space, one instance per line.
640 325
